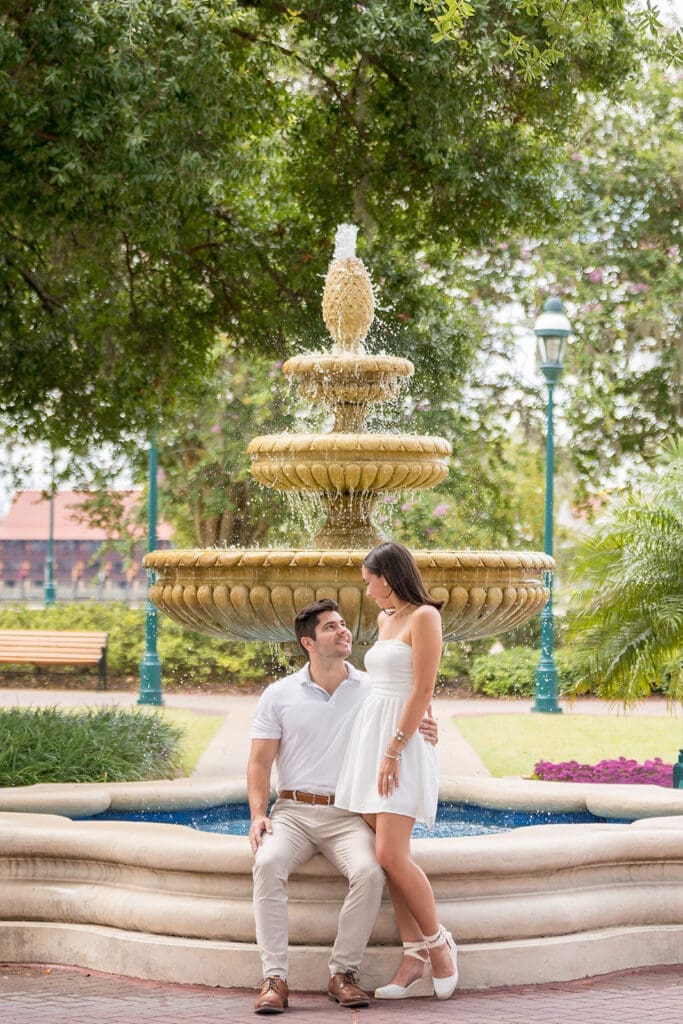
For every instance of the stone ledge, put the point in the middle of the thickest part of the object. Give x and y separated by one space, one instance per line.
236 965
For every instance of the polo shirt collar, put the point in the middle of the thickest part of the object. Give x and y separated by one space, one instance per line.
304 675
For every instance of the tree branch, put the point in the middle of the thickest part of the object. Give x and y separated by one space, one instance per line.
279 279
49 304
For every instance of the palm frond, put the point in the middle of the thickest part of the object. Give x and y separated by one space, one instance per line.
626 610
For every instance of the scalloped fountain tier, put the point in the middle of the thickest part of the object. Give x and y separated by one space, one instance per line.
254 594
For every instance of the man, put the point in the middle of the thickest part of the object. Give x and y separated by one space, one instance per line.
302 724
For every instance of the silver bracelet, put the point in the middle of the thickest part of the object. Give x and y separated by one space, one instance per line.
394 757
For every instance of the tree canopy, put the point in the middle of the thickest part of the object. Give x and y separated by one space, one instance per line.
616 262
171 168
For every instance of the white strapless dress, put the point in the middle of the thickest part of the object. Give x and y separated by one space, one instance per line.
389 663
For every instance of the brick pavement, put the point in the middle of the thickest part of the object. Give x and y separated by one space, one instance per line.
59 995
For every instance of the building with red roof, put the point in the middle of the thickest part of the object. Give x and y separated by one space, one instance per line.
88 556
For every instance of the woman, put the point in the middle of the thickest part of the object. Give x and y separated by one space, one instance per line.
389 772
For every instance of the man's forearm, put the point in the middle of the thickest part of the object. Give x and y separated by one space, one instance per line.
258 789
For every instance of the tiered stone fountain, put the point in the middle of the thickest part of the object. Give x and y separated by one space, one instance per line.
254 594
545 903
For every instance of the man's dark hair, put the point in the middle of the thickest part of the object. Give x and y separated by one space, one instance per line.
308 618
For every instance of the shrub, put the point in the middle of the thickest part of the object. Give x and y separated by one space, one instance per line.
574 681
567 669
510 673
454 666
188 658
97 745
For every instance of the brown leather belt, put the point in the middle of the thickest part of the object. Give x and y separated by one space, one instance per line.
306 798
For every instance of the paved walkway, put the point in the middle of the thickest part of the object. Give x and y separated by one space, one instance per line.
227 753
57 995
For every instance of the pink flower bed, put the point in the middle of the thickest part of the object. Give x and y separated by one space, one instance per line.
620 770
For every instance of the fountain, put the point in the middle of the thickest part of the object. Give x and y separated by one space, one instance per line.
545 903
254 594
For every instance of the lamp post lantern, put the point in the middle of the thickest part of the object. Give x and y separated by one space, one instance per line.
150 666
552 328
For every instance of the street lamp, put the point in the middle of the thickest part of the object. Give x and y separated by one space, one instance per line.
150 666
552 328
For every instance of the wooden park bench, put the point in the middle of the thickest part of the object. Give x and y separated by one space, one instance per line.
55 647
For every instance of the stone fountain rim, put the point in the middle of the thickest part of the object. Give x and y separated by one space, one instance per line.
169 903
642 803
337 558
357 445
322 362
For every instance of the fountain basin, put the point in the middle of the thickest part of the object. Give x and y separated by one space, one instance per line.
256 593
538 904
453 821
337 463
341 378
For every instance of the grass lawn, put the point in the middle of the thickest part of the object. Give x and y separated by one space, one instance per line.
512 744
199 730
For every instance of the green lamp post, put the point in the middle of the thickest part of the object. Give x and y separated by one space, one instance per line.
552 328
678 771
150 666
50 591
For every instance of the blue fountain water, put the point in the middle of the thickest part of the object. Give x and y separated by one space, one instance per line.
453 819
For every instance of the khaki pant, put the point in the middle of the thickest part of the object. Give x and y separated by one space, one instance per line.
300 831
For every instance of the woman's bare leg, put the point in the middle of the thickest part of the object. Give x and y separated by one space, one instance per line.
410 890
410 968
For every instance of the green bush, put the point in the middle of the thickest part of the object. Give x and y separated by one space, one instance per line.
102 745
512 673
573 681
670 682
188 658
455 665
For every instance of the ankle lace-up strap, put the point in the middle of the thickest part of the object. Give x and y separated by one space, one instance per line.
416 949
431 941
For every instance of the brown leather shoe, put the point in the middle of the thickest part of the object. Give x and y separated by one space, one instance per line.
274 996
344 989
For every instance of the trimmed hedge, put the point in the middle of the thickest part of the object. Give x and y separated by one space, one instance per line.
512 673
191 659
188 658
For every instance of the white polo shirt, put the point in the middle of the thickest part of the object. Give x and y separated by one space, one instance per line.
313 728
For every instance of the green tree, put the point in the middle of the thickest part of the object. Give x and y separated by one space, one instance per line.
207 491
554 24
615 261
627 619
492 498
167 169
